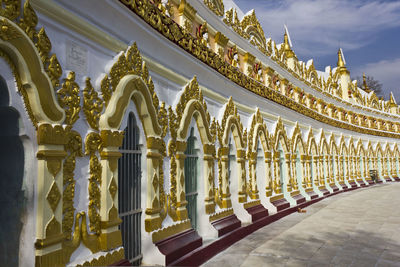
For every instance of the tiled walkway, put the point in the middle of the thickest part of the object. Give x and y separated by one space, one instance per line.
357 228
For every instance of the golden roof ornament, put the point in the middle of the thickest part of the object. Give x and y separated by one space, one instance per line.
340 62
365 85
392 103
287 47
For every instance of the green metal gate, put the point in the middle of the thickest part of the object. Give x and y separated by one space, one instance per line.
191 178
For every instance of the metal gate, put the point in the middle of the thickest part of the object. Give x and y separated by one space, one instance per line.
191 179
129 176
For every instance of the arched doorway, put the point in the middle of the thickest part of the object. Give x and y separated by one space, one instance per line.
11 180
191 174
129 193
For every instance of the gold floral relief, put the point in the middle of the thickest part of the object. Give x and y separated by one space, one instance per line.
74 150
69 99
92 105
92 147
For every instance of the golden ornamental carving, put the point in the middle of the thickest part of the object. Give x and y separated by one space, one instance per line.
216 6
74 150
52 135
256 119
92 146
68 96
92 105
53 196
53 228
130 62
219 215
108 259
20 89
113 188
191 91
171 230
281 132
7 32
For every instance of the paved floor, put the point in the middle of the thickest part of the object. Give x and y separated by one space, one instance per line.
358 228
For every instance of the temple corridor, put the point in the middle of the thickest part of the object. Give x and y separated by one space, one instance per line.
358 228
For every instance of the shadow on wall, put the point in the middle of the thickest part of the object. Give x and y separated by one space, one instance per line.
11 177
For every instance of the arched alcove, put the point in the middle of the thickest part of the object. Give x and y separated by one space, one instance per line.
11 179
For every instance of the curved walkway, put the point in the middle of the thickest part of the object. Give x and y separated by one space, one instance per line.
357 228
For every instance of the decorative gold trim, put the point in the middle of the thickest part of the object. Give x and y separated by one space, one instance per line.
93 144
275 198
219 215
106 260
251 204
214 61
171 230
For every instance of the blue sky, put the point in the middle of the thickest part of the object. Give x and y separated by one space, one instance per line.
367 30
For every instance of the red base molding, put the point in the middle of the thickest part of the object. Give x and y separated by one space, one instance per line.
370 182
324 192
397 179
299 199
281 204
178 245
387 178
226 225
312 194
334 188
345 188
203 254
121 263
257 212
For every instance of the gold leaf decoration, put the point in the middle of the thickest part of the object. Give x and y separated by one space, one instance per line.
7 32
69 98
105 89
92 146
92 105
54 196
216 6
74 149
113 188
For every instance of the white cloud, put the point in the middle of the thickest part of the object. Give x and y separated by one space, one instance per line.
385 71
319 26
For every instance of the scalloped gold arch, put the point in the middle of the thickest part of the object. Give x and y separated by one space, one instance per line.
360 148
260 132
195 110
332 145
131 87
35 82
233 125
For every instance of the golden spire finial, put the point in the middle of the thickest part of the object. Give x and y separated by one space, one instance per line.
286 42
340 62
365 85
392 103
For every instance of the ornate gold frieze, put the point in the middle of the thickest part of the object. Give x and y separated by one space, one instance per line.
187 42
216 6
